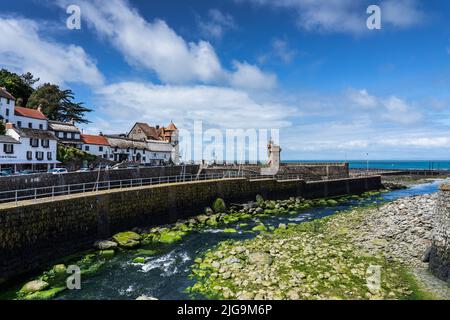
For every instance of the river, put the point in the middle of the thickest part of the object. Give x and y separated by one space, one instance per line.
166 274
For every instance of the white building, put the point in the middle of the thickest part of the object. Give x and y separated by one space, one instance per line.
67 133
30 149
129 150
7 103
97 145
27 144
162 142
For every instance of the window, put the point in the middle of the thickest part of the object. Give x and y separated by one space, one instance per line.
154 155
29 155
39 155
30 125
34 142
73 136
128 149
134 151
41 126
7 112
143 159
105 156
45 143
111 156
8 148
143 151
65 135
49 156
19 124
8 101
115 149
86 148
100 149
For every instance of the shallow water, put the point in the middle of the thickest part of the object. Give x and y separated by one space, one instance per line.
165 275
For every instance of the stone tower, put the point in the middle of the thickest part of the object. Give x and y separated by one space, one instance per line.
274 159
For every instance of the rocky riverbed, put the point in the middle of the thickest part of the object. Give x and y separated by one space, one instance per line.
330 258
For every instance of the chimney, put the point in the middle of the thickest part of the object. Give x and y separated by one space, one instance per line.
39 108
157 127
9 125
100 133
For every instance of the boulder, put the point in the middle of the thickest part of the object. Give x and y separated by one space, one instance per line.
259 258
171 236
106 254
139 260
34 286
260 227
127 239
219 205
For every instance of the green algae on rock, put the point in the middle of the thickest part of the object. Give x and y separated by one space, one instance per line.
127 239
312 260
219 205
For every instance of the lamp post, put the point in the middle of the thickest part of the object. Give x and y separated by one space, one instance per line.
367 170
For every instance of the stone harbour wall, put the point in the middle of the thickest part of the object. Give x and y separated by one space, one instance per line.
33 234
49 180
440 248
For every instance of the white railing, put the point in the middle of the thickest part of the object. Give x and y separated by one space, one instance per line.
34 194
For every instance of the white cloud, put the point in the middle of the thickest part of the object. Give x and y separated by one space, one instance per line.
250 77
155 46
401 13
346 16
217 24
218 107
362 98
23 48
398 110
392 109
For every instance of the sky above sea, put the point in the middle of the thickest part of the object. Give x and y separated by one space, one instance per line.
312 69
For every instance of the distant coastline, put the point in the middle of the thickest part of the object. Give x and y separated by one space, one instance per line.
389 164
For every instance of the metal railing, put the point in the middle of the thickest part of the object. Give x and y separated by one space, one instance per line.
51 192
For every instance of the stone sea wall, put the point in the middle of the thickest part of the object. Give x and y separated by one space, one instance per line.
440 249
48 179
33 234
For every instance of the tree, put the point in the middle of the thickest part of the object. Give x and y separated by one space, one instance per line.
21 87
58 104
2 127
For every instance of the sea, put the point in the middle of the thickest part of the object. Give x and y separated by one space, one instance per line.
387 164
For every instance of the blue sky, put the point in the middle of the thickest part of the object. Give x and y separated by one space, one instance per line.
312 69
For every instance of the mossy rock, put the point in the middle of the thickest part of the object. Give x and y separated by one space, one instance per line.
108 254
146 252
260 227
212 222
34 286
44 295
92 269
171 236
259 200
219 205
332 203
139 260
127 239
229 230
